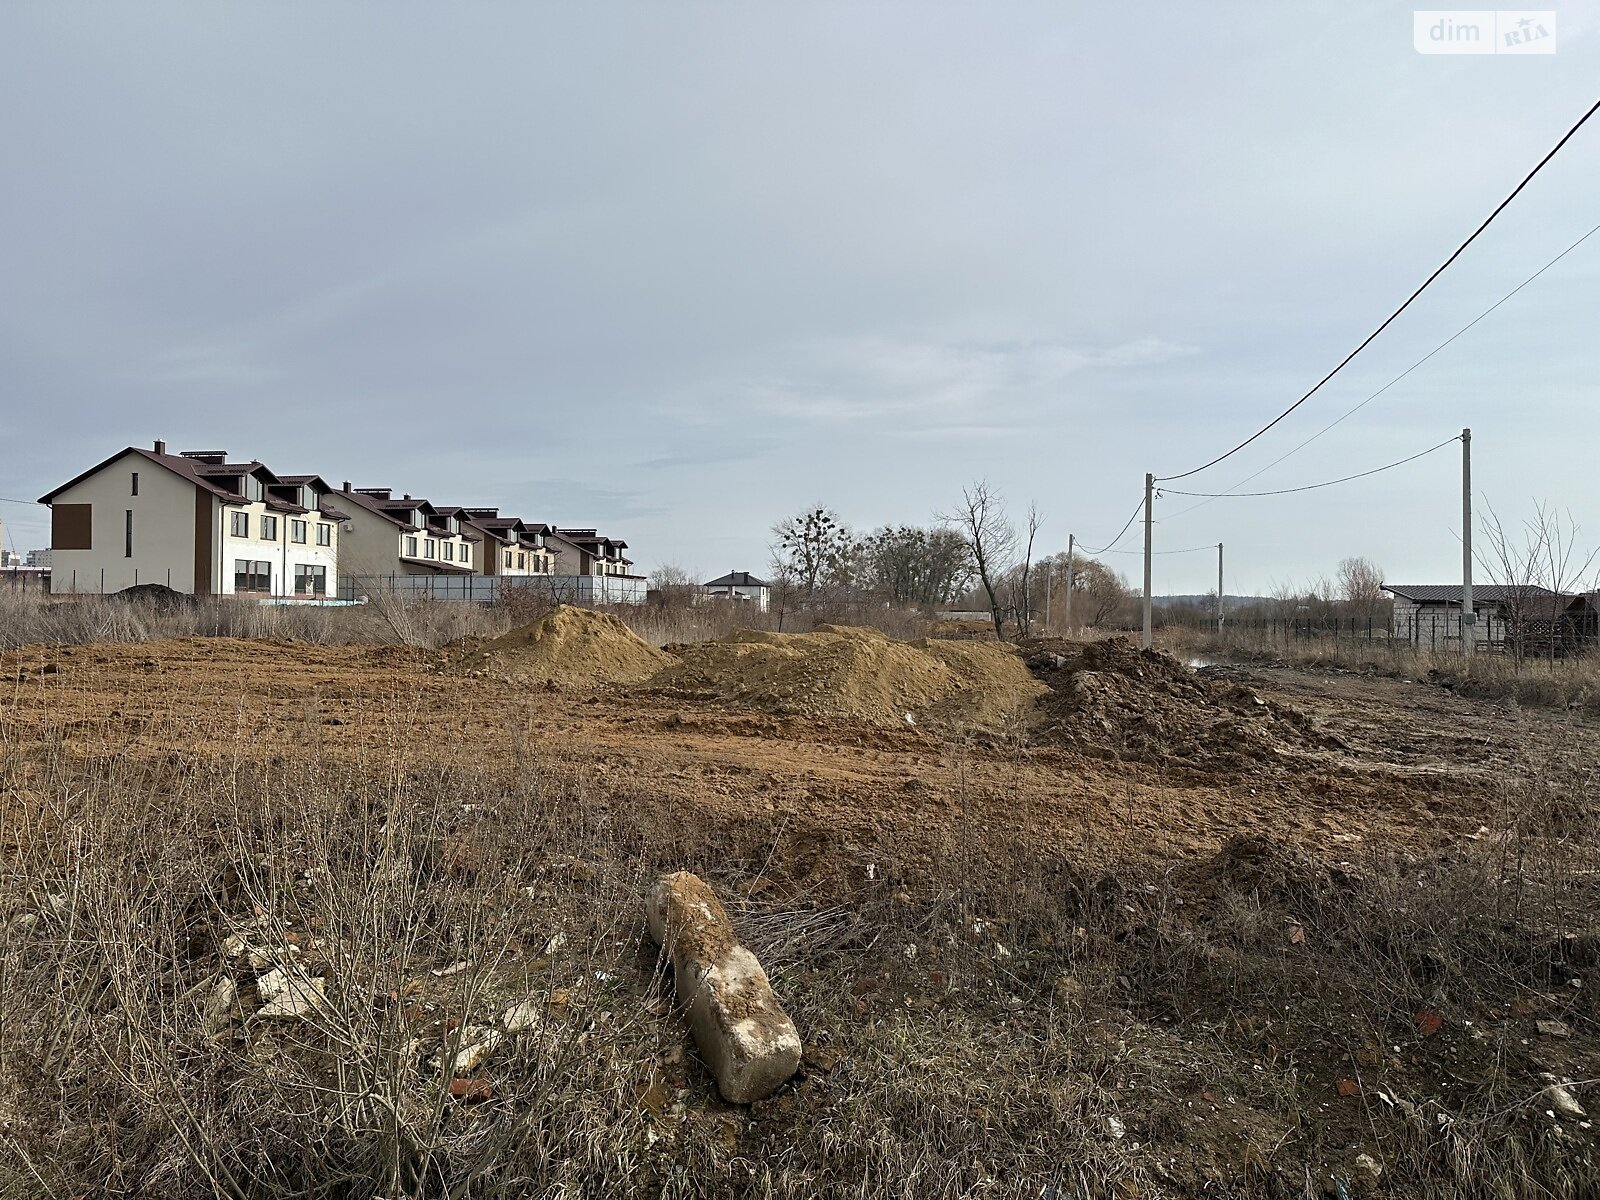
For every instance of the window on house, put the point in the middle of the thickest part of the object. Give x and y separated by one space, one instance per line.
324 534
449 552
427 548
411 547
508 558
310 580
297 532
269 529
135 490
127 535
522 562
239 524
251 576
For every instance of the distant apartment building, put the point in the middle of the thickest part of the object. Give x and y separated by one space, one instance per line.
194 522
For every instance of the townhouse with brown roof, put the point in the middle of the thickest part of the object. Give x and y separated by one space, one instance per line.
205 523
195 522
402 535
512 546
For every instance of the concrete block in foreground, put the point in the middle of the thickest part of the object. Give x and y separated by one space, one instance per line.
743 1033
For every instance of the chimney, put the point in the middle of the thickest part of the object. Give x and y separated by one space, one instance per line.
161 446
406 496
347 485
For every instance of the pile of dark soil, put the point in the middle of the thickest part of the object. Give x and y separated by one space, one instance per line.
1111 700
157 596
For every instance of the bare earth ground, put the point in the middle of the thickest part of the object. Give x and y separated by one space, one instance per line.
1420 771
1252 1017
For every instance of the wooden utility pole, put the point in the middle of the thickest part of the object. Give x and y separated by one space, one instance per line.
1149 518
1469 615
1069 585
1049 577
1219 587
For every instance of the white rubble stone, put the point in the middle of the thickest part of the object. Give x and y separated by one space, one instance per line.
1563 1101
288 992
520 1018
219 1003
476 1044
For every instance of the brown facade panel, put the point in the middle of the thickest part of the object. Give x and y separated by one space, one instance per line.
202 544
72 527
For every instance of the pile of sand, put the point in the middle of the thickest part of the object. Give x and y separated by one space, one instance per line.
859 675
1111 700
571 646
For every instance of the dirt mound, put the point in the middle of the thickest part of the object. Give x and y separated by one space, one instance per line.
860 675
572 646
157 596
1275 873
1111 700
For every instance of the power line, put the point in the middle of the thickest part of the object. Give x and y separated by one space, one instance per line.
1131 519
1357 408
1311 487
1389 320
1190 550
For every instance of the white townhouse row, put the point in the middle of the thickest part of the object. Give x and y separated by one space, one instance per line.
207 526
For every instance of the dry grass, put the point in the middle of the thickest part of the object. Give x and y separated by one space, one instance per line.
33 618
1569 683
1020 1029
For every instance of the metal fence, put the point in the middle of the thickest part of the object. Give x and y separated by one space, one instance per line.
488 589
1421 629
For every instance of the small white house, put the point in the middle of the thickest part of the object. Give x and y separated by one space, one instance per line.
743 587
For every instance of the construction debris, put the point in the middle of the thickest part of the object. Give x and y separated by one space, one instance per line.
746 1038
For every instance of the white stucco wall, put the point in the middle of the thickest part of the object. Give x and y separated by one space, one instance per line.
282 554
163 530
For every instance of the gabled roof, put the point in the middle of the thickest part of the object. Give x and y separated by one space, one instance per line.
1450 593
210 469
738 579
373 505
316 481
590 537
186 468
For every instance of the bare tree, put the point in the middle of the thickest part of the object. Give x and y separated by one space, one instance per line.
811 548
1361 586
1099 595
674 587
991 540
1535 572
1022 598
912 565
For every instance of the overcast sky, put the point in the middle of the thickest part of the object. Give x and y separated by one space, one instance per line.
676 270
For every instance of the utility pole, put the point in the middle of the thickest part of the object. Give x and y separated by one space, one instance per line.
1149 516
1049 577
1469 615
1219 587
1069 585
